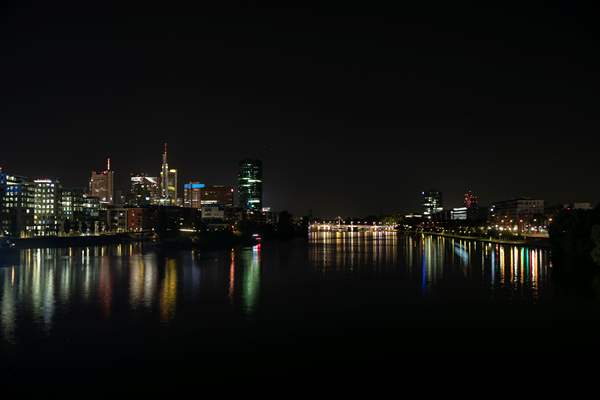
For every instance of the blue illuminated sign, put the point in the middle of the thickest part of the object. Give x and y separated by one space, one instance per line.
194 186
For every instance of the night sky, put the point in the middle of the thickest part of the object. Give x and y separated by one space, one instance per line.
353 107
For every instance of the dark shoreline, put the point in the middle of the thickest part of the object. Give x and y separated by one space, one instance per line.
205 241
75 241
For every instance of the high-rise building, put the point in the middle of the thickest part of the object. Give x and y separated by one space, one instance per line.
471 201
192 194
250 185
432 202
47 210
144 190
102 185
16 205
168 182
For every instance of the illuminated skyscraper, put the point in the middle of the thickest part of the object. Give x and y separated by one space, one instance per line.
250 185
102 185
471 201
168 182
432 202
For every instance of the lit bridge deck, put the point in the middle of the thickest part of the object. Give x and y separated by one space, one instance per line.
351 227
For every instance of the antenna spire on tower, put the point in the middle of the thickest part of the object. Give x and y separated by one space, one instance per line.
108 164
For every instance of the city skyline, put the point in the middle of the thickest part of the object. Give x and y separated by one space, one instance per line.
210 194
423 98
458 196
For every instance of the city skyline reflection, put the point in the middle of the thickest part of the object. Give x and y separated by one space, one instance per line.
430 261
111 281
100 285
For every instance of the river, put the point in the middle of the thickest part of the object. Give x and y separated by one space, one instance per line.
333 298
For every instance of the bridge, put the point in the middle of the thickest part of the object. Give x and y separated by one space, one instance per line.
339 226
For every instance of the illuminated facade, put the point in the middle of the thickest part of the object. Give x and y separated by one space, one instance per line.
17 196
459 214
144 190
47 209
102 185
217 195
471 201
432 202
250 185
192 194
168 182
517 209
72 201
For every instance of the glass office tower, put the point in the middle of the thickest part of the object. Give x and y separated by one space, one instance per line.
250 185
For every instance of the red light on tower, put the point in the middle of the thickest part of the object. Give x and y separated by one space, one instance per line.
471 200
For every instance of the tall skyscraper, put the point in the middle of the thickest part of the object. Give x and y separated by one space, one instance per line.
168 181
250 185
102 185
432 202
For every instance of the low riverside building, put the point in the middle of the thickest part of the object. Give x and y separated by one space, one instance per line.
517 209
116 219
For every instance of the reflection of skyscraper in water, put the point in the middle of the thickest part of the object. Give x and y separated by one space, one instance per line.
137 271
168 292
105 286
231 288
150 281
251 279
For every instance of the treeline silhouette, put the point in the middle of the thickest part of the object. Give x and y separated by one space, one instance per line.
575 241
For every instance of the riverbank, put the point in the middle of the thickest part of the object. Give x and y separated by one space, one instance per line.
533 242
203 241
76 241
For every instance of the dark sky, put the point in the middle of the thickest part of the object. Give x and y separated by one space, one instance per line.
354 107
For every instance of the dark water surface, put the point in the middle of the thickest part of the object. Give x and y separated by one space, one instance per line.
336 299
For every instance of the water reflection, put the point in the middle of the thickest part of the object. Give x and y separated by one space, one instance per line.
109 285
430 261
168 292
125 280
8 306
251 279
